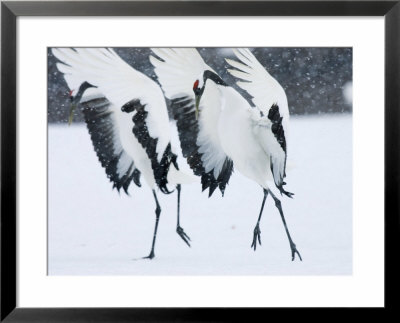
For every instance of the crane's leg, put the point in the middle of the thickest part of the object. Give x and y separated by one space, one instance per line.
257 231
292 244
158 212
179 229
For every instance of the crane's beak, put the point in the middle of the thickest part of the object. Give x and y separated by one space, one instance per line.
197 98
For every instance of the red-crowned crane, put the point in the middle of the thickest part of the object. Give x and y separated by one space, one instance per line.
219 128
126 115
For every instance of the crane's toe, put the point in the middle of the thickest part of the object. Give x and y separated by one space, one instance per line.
256 236
183 235
150 256
295 251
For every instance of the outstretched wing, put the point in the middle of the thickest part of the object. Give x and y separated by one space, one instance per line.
104 132
124 103
177 70
264 89
119 83
139 115
271 114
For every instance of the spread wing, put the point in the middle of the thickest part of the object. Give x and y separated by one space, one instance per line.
119 83
104 132
271 114
124 103
177 70
139 116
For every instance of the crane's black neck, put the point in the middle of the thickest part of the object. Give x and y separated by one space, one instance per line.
84 86
214 77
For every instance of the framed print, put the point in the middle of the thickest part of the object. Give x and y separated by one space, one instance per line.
150 171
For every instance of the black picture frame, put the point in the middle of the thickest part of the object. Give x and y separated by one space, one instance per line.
11 10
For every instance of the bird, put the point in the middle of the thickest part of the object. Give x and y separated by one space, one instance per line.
127 119
225 130
198 137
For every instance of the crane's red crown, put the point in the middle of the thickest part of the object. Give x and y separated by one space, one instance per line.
196 85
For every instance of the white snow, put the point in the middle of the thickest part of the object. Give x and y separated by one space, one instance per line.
93 230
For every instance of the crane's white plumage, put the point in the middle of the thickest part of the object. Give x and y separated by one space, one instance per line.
177 71
264 89
119 83
271 109
181 67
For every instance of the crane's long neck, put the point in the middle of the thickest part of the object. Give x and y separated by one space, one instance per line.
218 83
83 87
210 75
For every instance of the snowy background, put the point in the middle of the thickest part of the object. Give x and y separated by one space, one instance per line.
316 79
93 230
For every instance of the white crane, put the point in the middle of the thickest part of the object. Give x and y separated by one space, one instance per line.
223 127
127 119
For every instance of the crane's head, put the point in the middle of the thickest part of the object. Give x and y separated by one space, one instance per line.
75 97
200 83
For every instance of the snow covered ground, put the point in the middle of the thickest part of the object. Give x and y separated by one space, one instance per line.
93 230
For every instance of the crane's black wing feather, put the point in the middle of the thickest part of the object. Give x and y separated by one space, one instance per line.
141 132
278 163
120 168
183 112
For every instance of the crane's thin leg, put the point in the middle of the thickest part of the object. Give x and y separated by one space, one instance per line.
158 212
292 244
179 229
257 231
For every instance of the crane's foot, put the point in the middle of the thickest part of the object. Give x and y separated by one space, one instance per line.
150 256
294 251
256 236
183 235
